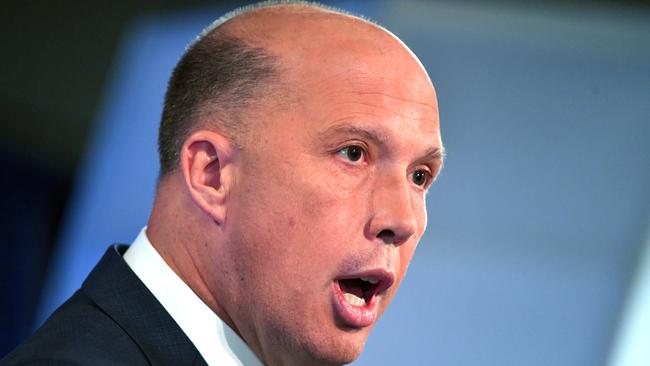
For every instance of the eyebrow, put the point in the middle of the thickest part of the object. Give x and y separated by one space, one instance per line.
434 153
368 134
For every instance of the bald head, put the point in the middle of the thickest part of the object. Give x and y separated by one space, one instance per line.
262 55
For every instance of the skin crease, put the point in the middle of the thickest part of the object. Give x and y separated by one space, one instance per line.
261 232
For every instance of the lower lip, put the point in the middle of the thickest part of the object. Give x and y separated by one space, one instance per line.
354 316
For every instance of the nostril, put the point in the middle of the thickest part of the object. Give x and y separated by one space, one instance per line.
387 236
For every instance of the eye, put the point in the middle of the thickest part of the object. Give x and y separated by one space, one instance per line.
353 153
421 177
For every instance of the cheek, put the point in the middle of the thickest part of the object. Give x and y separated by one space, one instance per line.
320 194
294 217
406 255
407 250
346 183
298 213
419 208
325 217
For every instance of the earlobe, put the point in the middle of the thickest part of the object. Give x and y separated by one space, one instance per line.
206 163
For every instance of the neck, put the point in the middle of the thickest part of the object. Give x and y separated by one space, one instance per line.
177 230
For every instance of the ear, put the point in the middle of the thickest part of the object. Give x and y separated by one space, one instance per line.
206 162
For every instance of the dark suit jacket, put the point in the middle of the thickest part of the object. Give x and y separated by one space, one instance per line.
112 319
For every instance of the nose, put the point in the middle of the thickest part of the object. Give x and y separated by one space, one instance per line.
392 218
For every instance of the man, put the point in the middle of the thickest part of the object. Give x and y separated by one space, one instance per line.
296 146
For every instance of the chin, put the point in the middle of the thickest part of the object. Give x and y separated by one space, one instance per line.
336 349
340 356
311 338
332 347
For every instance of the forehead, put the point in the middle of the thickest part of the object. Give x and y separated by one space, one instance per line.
396 104
343 70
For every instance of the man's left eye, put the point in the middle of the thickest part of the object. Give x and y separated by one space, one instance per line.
353 153
421 177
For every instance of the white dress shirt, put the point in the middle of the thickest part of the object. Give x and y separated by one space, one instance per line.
214 339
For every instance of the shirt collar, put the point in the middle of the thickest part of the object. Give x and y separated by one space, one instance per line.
217 343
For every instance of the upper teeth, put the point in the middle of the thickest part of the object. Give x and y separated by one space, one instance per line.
372 280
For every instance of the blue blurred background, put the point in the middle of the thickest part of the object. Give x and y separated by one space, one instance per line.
534 253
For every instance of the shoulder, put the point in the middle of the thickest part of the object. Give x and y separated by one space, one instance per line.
78 333
112 320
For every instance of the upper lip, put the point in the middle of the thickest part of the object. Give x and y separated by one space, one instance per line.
385 277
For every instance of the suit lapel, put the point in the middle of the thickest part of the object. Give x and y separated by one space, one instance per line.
123 297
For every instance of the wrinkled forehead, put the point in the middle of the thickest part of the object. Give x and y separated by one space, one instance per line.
366 76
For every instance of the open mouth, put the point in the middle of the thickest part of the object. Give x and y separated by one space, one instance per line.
359 291
356 297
